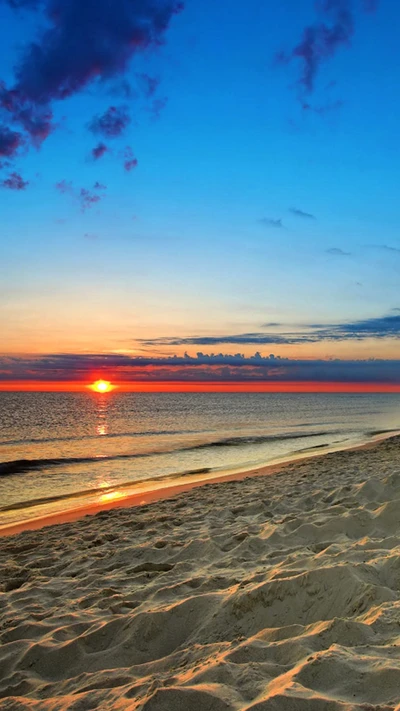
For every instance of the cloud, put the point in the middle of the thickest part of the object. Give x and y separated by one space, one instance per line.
80 44
130 162
378 328
370 5
248 339
150 84
387 248
112 123
214 367
10 142
336 251
381 327
300 213
323 109
30 4
64 187
14 182
99 151
322 39
156 108
85 197
269 222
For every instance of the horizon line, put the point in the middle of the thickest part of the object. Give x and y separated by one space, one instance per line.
288 386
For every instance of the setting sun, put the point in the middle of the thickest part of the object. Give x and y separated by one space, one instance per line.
101 386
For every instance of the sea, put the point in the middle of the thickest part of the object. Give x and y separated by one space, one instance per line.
63 451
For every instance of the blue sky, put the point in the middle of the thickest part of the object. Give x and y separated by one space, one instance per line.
201 238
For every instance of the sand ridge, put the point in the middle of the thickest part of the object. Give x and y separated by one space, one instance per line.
275 593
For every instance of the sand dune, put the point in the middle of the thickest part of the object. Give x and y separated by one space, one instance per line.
276 593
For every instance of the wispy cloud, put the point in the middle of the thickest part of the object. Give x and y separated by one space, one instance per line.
86 198
337 252
270 222
321 40
386 248
378 328
300 213
130 162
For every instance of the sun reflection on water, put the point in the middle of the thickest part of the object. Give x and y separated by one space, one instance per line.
111 496
101 428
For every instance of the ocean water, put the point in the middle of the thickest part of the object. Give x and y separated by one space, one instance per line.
63 450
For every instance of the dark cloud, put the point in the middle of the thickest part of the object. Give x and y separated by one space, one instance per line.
322 39
382 327
85 197
241 339
29 4
269 222
112 123
300 213
10 142
80 43
99 151
14 182
336 251
218 367
36 120
130 162
370 5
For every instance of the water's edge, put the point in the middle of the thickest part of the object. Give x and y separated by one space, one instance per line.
105 498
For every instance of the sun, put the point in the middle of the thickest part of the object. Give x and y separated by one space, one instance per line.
101 386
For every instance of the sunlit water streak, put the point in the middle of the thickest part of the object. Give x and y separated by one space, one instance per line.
57 448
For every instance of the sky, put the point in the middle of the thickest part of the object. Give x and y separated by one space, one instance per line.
199 192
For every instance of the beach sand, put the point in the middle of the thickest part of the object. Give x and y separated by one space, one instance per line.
273 593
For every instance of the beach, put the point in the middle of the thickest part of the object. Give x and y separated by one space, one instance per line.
275 592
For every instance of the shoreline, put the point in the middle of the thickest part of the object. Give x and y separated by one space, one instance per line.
272 593
151 495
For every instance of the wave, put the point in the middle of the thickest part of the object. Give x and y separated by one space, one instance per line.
99 490
130 433
259 439
376 433
20 466
111 435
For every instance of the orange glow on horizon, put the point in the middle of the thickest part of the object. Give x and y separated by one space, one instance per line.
199 386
